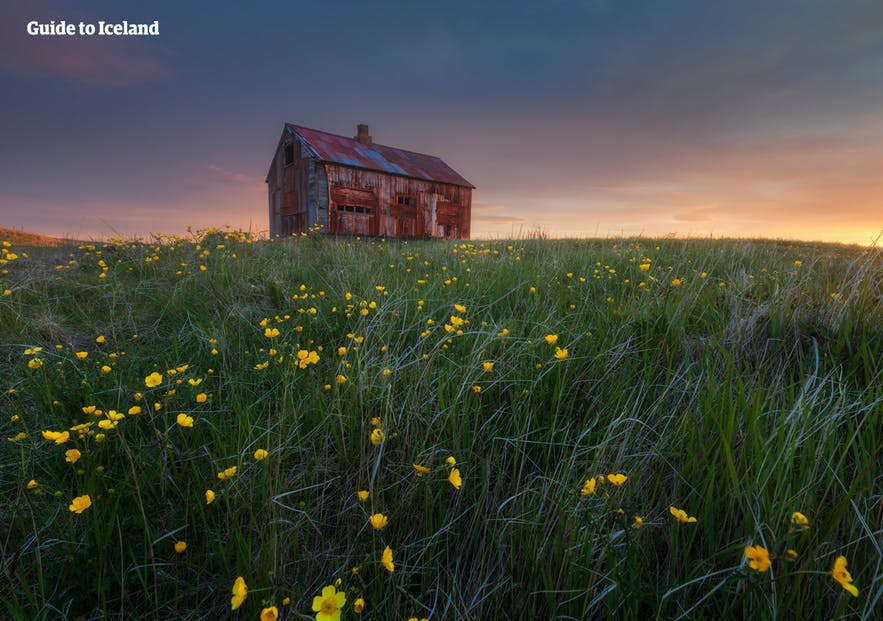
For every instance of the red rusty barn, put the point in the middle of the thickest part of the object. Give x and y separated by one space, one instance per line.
352 186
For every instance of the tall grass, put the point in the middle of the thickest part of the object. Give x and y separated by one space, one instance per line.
739 381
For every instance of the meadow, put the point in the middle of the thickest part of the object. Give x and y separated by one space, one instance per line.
210 427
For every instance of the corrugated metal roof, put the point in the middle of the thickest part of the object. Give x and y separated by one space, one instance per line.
350 152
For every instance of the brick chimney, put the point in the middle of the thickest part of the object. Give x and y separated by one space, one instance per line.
362 134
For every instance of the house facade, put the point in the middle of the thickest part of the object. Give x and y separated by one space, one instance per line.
352 186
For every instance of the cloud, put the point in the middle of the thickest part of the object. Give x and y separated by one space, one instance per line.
93 61
222 175
487 213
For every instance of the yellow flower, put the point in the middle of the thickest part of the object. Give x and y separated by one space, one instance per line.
759 558
134 410
476 389
798 263
362 495
639 521
72 455
842 575
359 606
180 547
386 560
81 355
487 366
616 479
228 473
80 504
21 435
201 397
644 267
798 519
680 515
589 487
561 354
676 282
35 363
459 308
341 351
454 478
260 454
377 436
184 420
551 339
791 554
341 379
271 333
32 484
329 604
451 461
59 437
153 380
270 614
421 470
100 338
378 521
240 592
106 369
209 496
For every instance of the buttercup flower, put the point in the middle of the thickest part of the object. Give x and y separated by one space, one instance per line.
209 496
180 547
680 515
421 470
759 558
201 397
271 333
153 380
616 479
359 606
561 354
72 455
260 454
551 339
185 421
487 366
362 495
80 504
32 484
639 521
386 560
270 614
226 474
455 479
842 576
589 487
377 436
329 604
378 521
82 355
240 592
798 519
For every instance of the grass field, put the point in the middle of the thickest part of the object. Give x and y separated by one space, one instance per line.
529 419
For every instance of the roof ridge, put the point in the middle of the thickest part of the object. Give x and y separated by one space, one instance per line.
386 146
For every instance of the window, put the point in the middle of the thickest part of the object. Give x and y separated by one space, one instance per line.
289 153
404 199
355 209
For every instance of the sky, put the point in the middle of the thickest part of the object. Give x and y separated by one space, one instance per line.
574 118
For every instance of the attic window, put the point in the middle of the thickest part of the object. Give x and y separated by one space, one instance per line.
404 199
289 153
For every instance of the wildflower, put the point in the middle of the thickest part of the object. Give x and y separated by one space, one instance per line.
35 363
260 454
72 455
240 592
455 479
487 366
791 554
377 436
362 495
341 379
561 354
286 601
59 437
341 351
134 410
476 389
644 267
798 519
32 484
184 421
616 479
387 372
106 369
459 308
451 461
421 470
759 558
639 521
680 515
201 397
842 575
80 504
180 547
153 380
21 435
386 560
359 606
270 614
100 338
228 473
676 282
81 355
551 339
209 496
798 263
271 333
329 604
378 521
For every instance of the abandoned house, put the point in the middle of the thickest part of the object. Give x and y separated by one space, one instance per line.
352 186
